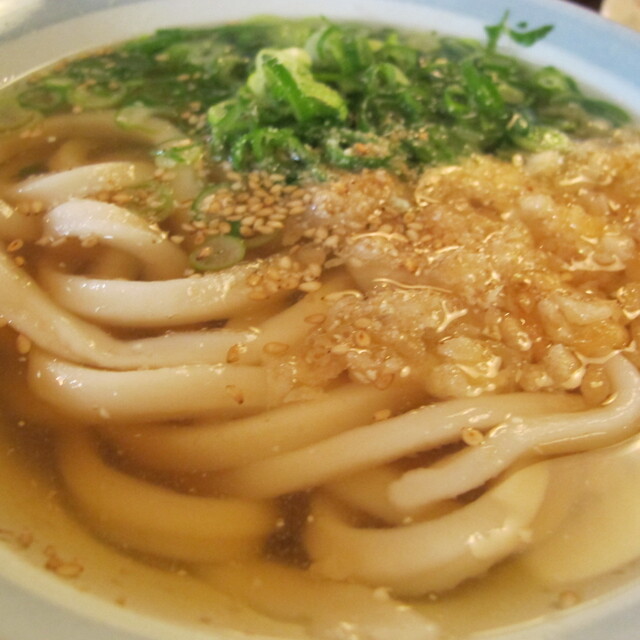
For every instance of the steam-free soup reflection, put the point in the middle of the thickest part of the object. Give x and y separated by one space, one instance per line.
332 317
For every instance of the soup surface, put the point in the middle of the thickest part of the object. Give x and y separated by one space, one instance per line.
337 320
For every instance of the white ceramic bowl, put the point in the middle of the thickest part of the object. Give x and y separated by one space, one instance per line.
34 603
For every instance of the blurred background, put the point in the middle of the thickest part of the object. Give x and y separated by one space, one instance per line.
626 12
592 4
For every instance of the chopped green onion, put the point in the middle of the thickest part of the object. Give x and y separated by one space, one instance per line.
14 116
42 98
482 90
217 252
262 95
152 200
458 49
269 149
552 80
520 35
284 77
456 101
385 77
529 38
98 95
230 119
63 83
400 55
340 49
262 240
179 152
202 202
541 138
510 94
601 109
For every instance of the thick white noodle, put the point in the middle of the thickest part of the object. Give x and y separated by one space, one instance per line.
433 555
71 154
329 610
156 394
198 410
370 446
31 312
104 124
518 436
209 446
117 227
367 492
153 519
163 303
55 188
92 126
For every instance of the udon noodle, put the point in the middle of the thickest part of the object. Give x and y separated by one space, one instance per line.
380 386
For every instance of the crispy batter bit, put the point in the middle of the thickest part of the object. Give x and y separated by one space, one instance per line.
489 276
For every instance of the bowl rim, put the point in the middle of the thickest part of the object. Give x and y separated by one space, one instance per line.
36 604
